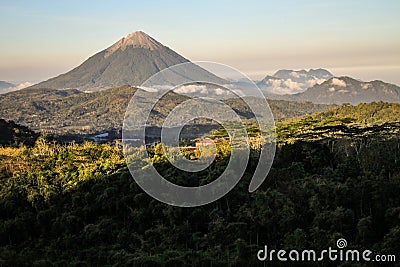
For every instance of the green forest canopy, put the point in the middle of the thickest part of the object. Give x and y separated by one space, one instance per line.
77 205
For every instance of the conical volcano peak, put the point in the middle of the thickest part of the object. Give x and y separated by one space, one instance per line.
141 39
130 61
135 39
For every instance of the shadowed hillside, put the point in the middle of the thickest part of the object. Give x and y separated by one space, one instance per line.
12 134
78 205
63 112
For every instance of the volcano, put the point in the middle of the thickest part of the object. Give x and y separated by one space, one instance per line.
130 61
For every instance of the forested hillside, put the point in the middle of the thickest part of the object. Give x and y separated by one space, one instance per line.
12 134
74 112
78 205
377 119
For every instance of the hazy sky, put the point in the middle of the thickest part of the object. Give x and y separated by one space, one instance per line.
359 38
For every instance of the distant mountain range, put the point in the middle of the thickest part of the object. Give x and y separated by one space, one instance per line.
338 90
136 57
348 90
130 61
62 106
292 81
320 86
5 87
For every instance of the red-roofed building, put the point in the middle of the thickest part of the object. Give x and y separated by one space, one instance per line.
205 142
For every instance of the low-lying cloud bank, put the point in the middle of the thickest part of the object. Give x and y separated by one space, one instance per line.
15 88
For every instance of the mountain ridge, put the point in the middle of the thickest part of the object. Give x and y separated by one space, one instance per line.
76 112
4 85
135 39
339 90
287 81
344 89
130 61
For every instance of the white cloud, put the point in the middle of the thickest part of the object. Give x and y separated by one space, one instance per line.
17 87
313 81
294 74
295 86
366 86
219 91
234 90
200 90
148 89
23 85
284 86
338 82
191 88
203 90
274 83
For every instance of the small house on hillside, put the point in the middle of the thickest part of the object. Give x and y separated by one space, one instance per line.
205 147
205 142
